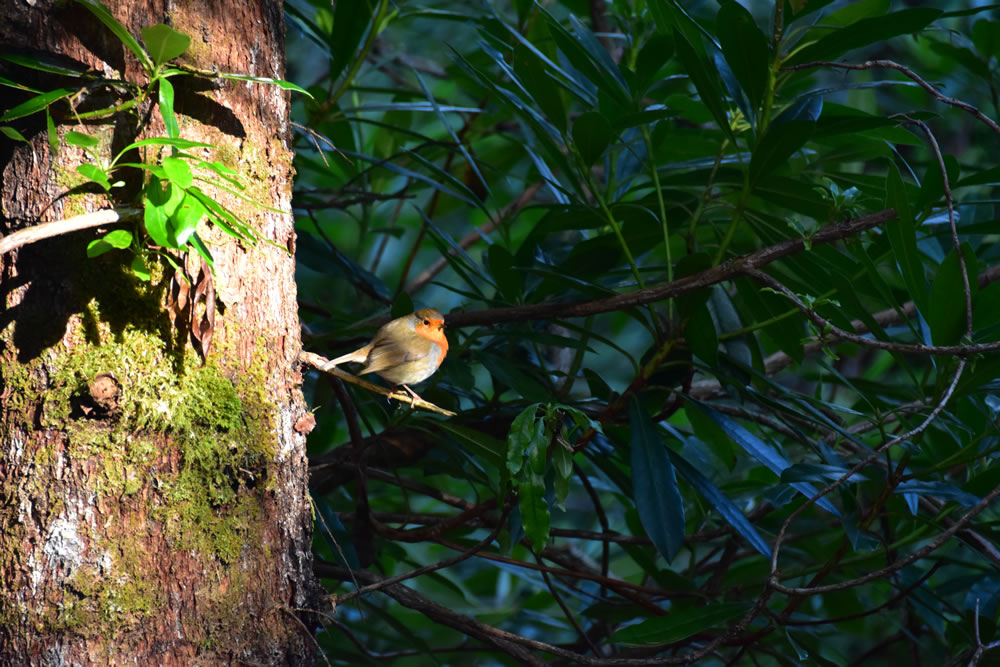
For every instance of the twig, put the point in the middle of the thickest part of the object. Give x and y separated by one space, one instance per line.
876 453
908 348
889 64
471 238
319 362
514 644
716 274
448 562
584 637
47 230
956 244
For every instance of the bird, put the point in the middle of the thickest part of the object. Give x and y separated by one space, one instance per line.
405 351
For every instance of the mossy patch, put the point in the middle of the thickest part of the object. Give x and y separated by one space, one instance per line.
193 445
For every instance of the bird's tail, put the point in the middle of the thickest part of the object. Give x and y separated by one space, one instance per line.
360 356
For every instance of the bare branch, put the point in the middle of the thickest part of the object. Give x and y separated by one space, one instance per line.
47 230
716 274
319 362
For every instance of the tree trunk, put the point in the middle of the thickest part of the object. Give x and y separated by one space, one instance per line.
153 504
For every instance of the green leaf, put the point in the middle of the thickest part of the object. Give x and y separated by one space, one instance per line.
778 144
903 239
866 31
178 171
535 513
223 217
36 104
522 431
760 450
140 269
727 320
701 335
723 505
709 433
680 624
94 173
591 134
587 55
501 264
159 205
11 133
43 63
562 462
166 103
986 37
351 22
653 55
705 79
53 133
98 247
119 238
123 35
987 176
964 57
164 43
946 311
80 139
479 444
161 141
185 219
655 492
853 12
745 48
540 86
280 83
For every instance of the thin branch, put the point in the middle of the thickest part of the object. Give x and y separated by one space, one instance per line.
889 64
953 227
512 643
899 564
566 610
907 348
777 362
447 562
876 453
47 230
319 362
726 271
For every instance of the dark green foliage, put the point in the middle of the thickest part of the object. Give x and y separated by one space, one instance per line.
654 454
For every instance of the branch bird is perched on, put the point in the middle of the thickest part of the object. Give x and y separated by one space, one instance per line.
405 351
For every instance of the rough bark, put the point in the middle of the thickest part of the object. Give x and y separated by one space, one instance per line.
153 505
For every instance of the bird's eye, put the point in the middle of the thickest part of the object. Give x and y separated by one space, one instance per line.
427 323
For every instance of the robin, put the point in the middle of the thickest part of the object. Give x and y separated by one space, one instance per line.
405 351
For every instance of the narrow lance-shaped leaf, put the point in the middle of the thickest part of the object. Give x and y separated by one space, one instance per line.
866 31
705 80
535 513
166 104
120 31
745 48
903 239
729 511
946 312
678 626
761 451
521 433
655 492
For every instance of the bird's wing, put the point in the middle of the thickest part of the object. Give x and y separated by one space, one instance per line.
387 353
